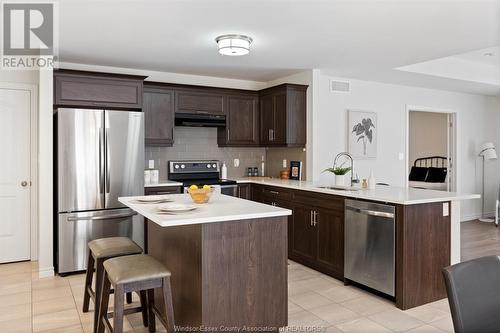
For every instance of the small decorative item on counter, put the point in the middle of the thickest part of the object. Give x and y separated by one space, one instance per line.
364 183
256 172
371 181
296 170
249 172
155 176
339 172
200 195
147 177
285 174
223 172
262 166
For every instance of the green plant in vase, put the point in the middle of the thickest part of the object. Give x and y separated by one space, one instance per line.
339 172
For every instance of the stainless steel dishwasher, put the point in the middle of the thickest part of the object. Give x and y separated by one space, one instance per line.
370 245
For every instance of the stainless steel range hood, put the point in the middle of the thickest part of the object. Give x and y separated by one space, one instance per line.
200 120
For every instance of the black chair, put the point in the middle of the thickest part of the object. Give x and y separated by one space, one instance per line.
473 289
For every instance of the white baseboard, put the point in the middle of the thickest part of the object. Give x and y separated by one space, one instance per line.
46 272
465 218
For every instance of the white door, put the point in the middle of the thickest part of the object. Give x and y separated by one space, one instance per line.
15 125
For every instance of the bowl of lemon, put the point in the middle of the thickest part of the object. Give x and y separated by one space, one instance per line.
200 195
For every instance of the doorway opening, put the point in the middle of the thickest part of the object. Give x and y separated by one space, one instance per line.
431 149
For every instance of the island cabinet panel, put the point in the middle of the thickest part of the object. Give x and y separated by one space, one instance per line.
199 100
422 251
283 116
229 273
242 121
92 89
158 115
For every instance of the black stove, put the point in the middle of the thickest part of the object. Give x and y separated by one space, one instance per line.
200 173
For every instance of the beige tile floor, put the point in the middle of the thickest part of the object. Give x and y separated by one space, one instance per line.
316 303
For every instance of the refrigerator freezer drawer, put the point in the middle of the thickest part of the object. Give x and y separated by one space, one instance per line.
77 229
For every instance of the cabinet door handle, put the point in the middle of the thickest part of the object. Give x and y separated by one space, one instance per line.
228 134
311 218
274 192
315 221
270 135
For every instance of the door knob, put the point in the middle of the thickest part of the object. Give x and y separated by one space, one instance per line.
24 183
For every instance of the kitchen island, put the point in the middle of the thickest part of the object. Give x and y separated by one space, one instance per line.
228 260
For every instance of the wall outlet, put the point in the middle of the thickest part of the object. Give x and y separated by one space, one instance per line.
284 163
401 156
151 164
236 162
446 209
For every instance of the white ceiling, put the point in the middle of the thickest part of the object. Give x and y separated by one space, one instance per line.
358 39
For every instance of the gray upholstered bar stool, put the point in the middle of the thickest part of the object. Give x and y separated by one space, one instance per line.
136 273
100 250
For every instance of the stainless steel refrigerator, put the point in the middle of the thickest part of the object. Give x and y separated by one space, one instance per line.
100 157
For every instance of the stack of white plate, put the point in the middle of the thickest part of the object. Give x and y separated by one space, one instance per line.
176 208
152 199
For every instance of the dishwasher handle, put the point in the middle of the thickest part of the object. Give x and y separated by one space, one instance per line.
370 212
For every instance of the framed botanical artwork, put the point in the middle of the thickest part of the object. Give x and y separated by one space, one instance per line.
362 134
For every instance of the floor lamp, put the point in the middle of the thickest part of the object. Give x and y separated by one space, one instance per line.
488 153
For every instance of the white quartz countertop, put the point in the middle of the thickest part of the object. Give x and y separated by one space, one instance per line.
390 194
164 183
220 208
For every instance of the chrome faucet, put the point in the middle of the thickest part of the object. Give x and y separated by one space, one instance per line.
352 163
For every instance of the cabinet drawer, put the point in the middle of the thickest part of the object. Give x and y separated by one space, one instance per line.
199 102
87 90
314 199
276 193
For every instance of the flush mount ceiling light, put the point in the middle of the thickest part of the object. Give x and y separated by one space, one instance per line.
489 54
233 45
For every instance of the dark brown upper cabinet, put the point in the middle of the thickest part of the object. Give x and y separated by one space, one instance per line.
158 107
199 100
97 90
283 116
242 121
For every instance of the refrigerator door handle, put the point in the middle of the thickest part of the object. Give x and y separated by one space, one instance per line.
101 163
100 218
108 174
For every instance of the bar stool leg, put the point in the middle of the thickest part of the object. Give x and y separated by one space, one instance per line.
151 314
144 306
118 309
88 282
103 306
129 298
99 281
169 308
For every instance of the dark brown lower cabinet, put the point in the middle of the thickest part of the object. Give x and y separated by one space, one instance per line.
245 191
303 236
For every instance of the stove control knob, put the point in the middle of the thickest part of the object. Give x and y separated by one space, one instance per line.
209 166
176 166
214 166
183 166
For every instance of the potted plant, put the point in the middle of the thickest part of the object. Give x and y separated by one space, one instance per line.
339 172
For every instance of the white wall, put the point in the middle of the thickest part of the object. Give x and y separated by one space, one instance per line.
45 172
390 101
19 76
492 168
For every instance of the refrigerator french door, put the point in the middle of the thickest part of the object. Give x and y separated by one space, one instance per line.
100 158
